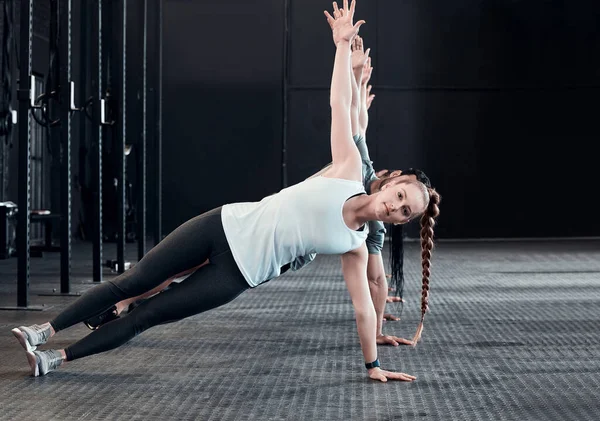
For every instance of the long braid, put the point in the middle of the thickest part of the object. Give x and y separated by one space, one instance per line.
427 224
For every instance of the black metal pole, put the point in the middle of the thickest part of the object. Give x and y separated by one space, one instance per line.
65 143
141 152
158 12
97 83
84 27
285 84
24 189
119 62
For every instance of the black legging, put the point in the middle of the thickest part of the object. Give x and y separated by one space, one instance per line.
188 246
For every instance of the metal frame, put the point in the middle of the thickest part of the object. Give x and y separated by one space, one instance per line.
119 87
141 153
155 18
24 95
65 142
97 83
285 89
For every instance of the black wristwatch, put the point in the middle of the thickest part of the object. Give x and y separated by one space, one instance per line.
373 364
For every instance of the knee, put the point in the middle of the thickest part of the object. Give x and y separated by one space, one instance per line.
128 285
143 318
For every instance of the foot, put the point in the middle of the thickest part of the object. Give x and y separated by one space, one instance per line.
43 362
31 336
95 322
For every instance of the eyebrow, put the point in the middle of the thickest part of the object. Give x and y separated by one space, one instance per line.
406 198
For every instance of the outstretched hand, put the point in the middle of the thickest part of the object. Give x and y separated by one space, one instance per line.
370 97
367 70
360 57
392 340
383 375
341 22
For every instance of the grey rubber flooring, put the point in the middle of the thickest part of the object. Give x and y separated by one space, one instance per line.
513 334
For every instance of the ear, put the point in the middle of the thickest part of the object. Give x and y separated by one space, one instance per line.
381 173
396 173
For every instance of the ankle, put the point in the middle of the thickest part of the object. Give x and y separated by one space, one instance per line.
63 354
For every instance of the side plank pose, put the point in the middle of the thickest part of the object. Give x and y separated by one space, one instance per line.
361 102
325 214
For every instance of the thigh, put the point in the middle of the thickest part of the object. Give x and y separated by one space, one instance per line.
208 287
187 247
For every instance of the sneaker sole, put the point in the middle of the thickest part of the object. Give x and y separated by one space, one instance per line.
23 340
33 365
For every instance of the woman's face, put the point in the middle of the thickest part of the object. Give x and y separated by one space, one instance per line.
398 203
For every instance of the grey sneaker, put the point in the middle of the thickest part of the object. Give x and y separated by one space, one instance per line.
31 336
43 362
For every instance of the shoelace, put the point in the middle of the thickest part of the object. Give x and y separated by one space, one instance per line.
55 361
44 333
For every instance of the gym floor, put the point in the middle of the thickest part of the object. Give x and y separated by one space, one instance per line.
513 333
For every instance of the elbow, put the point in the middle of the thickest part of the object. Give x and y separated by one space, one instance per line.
366 314
377 281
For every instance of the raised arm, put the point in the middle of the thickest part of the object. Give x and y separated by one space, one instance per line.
366 98
345 156
359 59
354 268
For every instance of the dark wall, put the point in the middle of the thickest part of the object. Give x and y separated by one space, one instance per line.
493 99
222 104
490 98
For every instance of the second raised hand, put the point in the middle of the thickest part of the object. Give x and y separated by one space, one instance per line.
341 22
367 71
359 56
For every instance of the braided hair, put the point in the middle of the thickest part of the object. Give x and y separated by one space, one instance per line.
396 242
427 224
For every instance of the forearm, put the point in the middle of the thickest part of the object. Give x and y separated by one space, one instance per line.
366 323
363 114
379 290
355 106
341 87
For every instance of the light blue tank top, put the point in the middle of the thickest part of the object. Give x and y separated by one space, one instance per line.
302 219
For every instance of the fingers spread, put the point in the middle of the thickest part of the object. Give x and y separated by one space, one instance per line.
359 24
330 19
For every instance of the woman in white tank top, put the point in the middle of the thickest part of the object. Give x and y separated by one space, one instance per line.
248 243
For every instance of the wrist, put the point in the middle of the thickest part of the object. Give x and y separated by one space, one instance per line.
343 43
373 365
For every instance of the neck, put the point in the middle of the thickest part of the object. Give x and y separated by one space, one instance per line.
358 211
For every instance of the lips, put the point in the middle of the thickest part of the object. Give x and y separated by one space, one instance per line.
387 209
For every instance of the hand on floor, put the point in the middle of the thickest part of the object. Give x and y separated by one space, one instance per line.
392 340
390 317
383 375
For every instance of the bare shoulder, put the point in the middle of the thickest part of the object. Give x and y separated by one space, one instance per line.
345 171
